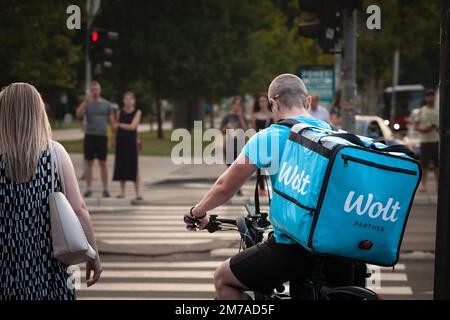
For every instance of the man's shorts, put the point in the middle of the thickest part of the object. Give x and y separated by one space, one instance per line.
268 265
95 147
429 153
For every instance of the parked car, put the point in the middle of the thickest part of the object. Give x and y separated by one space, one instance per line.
375 128
412 137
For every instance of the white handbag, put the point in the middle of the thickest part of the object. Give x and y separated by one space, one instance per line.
70 245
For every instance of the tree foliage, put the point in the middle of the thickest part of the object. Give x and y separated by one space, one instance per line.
410 26
36 46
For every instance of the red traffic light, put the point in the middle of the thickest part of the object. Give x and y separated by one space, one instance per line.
94 36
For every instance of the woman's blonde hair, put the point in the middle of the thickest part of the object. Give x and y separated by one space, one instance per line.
24 130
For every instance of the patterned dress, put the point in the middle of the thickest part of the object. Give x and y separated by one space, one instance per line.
28 270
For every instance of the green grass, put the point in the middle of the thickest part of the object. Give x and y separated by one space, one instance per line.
152 146
56 125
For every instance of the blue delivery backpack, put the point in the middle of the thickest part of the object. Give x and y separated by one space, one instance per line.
344 195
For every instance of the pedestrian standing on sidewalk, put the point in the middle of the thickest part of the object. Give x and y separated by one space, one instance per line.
126 166
335 112
261 119
28 268
317 111
233 121
99 114
426 123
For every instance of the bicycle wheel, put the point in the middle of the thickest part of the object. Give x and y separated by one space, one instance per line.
350 293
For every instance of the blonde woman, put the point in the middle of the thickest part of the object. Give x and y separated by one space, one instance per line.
28 269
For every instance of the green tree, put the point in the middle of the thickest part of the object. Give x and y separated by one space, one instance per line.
36 45
409 26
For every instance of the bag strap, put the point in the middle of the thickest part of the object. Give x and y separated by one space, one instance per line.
54 162
356 140
288 122
400 148
257 205
52 166
350 138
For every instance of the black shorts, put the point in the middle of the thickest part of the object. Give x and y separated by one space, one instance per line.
429 153
95 147
266 266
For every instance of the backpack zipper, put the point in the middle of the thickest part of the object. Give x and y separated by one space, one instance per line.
326 179
311 210
376 165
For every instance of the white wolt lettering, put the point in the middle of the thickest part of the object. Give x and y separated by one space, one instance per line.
348 207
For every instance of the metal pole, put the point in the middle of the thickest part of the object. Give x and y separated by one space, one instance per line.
88 70
337 65
349 92
92 7
442 251
395 71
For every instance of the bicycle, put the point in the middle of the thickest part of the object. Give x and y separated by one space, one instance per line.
252 228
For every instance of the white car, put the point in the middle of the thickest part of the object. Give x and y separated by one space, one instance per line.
375 128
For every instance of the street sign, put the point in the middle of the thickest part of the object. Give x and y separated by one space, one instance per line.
319 79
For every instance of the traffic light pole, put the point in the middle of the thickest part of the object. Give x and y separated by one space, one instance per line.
88 70
349 90
442 250
92 6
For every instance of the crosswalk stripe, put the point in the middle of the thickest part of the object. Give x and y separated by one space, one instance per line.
163 265
160 235
398 267
393 290
137 223
158 274
164 209
139 298
141 217
151 287
388 276
127 228
154 241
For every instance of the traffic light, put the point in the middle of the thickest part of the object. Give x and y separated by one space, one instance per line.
326 29
100 53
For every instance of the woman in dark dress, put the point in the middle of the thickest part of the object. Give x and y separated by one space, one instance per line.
261 119
126 166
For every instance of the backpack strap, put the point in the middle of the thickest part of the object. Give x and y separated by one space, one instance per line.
298 126
288 122
400 148
357 141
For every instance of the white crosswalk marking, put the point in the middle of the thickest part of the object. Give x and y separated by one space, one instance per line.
155 225
163 225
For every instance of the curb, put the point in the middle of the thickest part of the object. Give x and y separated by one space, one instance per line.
162 250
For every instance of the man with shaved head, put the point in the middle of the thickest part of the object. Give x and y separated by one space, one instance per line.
265 267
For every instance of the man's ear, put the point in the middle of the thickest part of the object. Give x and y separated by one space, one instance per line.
308 103
271 105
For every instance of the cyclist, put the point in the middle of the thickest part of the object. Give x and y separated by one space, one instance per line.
264 267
